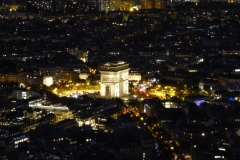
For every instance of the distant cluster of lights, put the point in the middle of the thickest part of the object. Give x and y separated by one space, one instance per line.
126 110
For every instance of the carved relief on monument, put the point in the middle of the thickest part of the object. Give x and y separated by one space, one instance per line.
108 79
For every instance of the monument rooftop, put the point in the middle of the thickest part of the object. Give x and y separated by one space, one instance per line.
114 66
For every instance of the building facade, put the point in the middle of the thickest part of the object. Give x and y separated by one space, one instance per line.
109 5
20 95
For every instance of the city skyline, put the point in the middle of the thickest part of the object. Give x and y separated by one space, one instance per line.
118 80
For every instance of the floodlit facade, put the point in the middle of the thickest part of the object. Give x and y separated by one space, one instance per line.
20 95
114 79
48 80
83 76
151 4
135 77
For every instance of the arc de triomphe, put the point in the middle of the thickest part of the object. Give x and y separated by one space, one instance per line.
114 79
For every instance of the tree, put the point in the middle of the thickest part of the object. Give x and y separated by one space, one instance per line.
34 87
157 76
195 90
168 96
53 86
81 81
93 78
191 81
207 88
31 8
151 121
175 98
119 101
166 82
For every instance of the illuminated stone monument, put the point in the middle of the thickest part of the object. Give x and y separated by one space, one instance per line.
114 79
